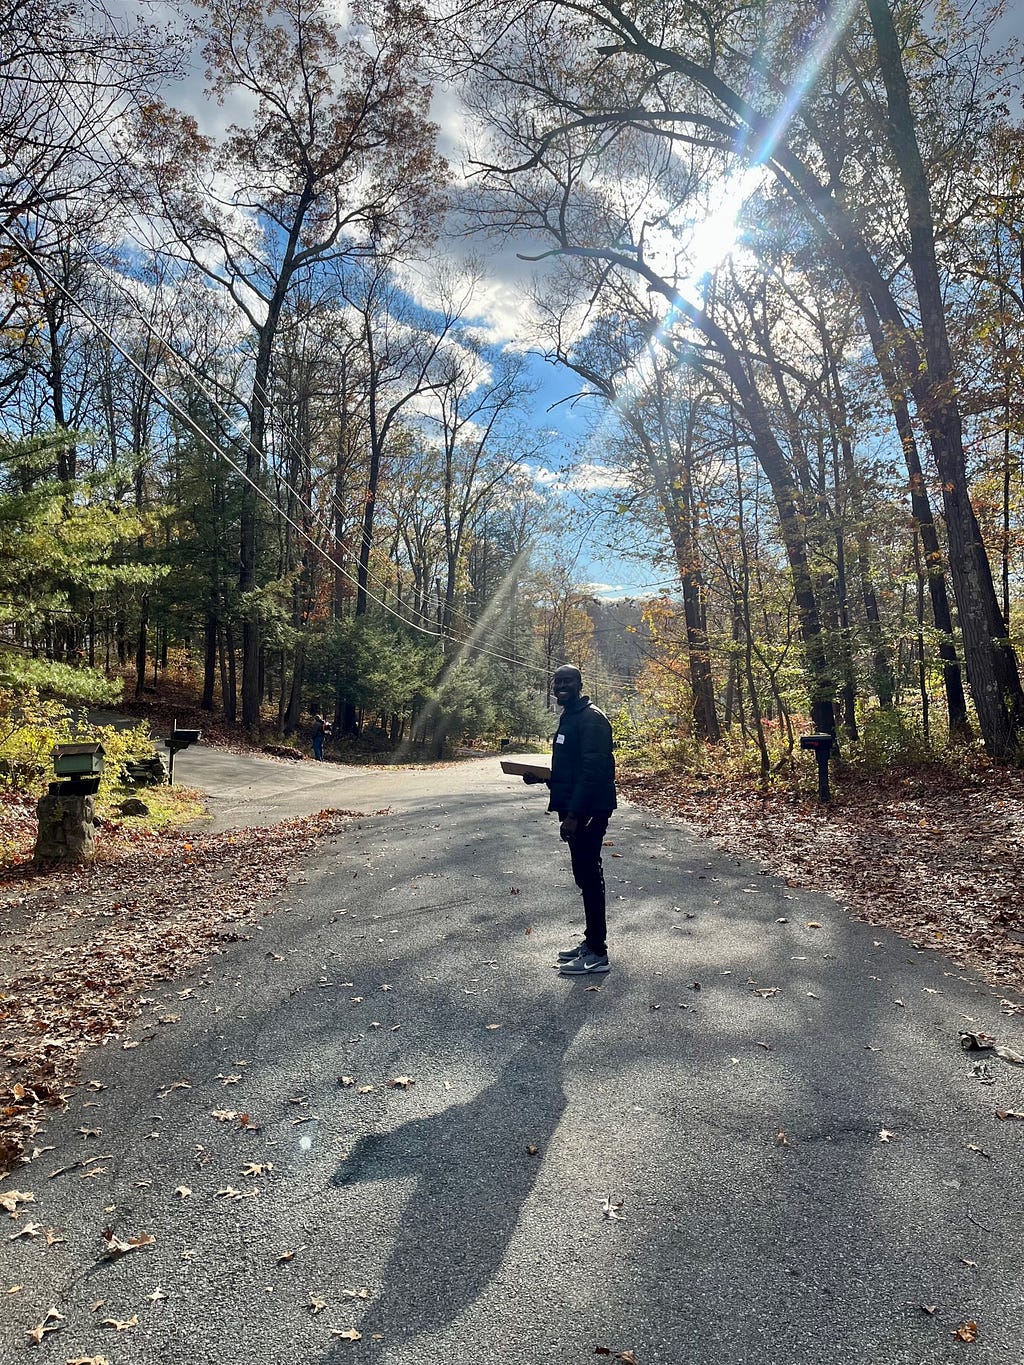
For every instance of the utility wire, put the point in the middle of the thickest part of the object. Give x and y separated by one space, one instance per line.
193 373
296 449
175 408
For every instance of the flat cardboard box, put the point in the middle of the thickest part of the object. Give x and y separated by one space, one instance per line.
518 768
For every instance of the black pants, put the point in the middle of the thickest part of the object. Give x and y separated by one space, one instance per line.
585 851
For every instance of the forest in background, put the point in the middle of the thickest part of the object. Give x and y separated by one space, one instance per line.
256 431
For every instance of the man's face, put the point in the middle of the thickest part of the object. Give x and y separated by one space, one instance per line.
566 686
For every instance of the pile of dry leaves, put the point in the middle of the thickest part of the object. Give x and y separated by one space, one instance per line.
936 856
80 946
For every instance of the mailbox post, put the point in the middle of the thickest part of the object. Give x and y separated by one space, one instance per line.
67 813
179 739
822 748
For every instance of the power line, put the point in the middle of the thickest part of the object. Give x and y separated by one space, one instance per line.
175 408
193 373
475 628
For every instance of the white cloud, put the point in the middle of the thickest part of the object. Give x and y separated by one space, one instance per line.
582 478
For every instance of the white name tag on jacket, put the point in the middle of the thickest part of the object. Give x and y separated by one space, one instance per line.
559 739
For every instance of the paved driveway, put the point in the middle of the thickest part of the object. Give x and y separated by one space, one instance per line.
768 1096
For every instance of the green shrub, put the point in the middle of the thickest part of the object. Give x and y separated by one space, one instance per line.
889 739
30 728
76 686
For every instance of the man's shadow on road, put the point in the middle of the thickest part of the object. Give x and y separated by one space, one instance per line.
474 1171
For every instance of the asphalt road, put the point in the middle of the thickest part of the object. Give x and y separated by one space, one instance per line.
460 1218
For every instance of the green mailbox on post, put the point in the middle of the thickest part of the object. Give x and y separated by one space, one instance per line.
78 760
80 766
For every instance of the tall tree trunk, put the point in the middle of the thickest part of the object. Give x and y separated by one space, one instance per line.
229 686
140 645
209 660
920 506
991 662
922 671
883 679
293 712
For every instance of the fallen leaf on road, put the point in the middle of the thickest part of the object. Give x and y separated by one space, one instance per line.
156 1295
121 1324
175 1085
225 1115
89 1360
182 1191
1009 1114
401 1082
930 1308
613 1210
967 1331
813 924
257 1167
51 1323
346 1334
364 1089
885 1135
357 1293
1007 1054
285 1256
532 1149
27 1230
976 1042
345 1080
10 1200
781 1140
492 1026
316 1305
973 1147
117 1247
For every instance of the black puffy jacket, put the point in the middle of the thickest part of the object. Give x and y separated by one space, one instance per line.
582 763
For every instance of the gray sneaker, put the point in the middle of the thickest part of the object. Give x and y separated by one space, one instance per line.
585 964
567 954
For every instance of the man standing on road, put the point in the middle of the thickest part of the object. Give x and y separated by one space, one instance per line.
320 732
582 787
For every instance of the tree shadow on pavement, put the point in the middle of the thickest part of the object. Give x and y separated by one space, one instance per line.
475 1165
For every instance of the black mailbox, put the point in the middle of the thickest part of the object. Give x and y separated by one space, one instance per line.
821 747
179 739
817 742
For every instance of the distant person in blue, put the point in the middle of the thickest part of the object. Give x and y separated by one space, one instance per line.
320 732
582 788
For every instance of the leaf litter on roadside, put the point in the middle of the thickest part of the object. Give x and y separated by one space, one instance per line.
874 855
